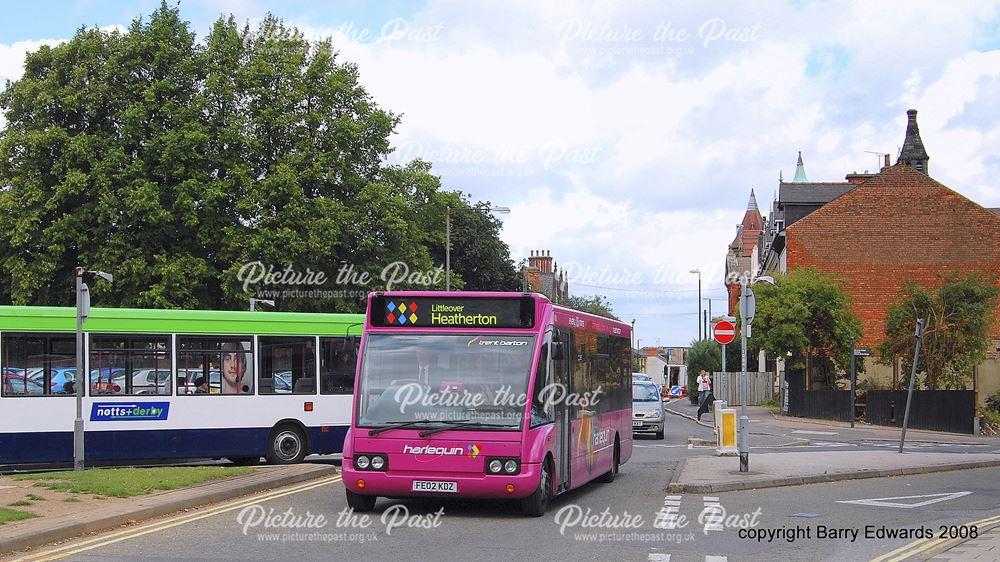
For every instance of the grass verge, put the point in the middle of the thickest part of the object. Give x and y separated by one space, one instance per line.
8 515
127 482
771 406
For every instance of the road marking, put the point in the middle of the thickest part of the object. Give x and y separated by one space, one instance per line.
666 517
713 513
924 545
711 558
83 546
882 502
658 557
805 432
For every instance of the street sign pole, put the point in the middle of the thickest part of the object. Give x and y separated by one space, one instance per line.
82 310
854 383
913 378
747 307
723 358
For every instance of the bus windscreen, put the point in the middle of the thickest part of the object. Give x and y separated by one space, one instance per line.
449 312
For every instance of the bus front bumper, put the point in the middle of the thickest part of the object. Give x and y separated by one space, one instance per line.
401 483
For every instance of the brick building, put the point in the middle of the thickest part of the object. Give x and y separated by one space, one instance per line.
543 275
878 231
742 255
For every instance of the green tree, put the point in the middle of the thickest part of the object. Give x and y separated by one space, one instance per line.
480 260
808 314
594 304
703 355
957 317
175 162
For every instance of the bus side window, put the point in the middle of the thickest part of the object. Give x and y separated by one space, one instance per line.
338 361
541 413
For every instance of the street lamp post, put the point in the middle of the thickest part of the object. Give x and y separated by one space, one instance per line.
253 303
447 236
698 314
708 319
747 308
82 312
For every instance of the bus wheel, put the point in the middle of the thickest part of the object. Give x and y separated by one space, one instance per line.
536 504
359 503
287 445
243 461
609 476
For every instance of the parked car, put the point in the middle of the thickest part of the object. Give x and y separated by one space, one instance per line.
641 377
15 383
283 382
151 381
185 381
647 409
107 380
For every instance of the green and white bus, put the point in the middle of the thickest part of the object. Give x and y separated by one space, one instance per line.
176 384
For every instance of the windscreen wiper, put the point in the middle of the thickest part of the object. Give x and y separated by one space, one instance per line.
410 423
454 425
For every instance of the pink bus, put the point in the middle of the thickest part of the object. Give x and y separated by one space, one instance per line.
486 395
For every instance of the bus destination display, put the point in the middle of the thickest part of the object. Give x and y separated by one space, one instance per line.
430 312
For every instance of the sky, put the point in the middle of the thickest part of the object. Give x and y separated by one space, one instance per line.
626 137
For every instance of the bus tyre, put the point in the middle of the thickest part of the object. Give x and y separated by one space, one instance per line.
359 503
536 504
287 445
609 476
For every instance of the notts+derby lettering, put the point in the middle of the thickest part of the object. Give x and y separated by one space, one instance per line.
111 411
453 315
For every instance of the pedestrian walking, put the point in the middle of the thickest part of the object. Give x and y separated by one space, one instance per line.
704 393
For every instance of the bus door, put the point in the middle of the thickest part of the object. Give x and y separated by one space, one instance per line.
559 374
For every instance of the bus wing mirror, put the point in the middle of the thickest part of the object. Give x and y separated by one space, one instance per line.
557 351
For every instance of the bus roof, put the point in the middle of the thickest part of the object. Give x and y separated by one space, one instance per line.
136 320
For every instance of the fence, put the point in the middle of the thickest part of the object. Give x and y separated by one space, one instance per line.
936 410
820 404
726 386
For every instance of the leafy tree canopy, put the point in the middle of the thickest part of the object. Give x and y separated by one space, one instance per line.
175 162
594 304
807 313
957 317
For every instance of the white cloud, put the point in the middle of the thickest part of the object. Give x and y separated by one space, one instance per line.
642 160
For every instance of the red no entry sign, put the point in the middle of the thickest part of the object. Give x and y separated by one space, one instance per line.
724 332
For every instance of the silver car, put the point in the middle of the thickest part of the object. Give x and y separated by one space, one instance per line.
647 409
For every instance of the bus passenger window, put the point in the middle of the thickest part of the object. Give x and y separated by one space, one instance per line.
338 361
287 365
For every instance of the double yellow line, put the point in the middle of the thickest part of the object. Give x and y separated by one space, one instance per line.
82 546
926 545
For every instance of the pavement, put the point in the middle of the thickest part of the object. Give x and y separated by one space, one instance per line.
42 530
721 474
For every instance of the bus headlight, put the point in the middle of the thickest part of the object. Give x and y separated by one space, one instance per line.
378 463
503 465
362 462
